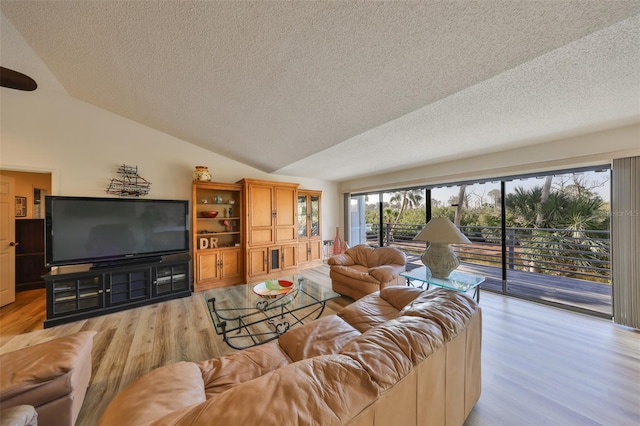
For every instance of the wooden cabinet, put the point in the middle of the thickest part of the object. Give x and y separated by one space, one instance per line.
270 211
309 227
271 261
219 267
217 241
79 292
30 254
271 228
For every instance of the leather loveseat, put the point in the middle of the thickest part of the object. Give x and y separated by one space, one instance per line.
403 356
52 377
363 269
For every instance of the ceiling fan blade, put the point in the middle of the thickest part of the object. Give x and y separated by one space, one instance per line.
16 80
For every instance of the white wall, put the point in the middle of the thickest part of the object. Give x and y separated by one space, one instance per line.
82 146
596 148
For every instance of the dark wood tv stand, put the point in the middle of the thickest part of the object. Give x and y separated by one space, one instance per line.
80 292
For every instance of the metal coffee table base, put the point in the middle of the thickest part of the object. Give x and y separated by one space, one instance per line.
275 313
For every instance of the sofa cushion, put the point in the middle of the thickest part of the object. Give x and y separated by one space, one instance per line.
356 272
341 259
324 390
361 255
156 394
324 336
400 296
368 312
220 374
387 256
46 366
385 273
379 307
452 310
390 351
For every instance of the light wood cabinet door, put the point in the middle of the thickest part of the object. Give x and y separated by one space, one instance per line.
231 266
261 214
207 266
286 220
219 267
304 253
257 261
315 250
288 256
309 251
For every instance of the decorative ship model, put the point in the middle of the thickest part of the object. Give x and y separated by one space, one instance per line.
129 184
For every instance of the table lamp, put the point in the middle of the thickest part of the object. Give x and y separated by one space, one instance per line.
439 256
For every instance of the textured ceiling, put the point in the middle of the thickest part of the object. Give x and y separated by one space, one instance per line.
338 90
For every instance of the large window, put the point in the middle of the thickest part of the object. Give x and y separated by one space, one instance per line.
543 237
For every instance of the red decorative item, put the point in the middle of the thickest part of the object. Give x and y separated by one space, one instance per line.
285 283
338 246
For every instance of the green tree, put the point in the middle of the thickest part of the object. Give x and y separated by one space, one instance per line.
403 200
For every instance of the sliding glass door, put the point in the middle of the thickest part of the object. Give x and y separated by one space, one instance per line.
558 245
542 237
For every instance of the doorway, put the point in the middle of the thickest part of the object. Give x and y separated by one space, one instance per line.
28 258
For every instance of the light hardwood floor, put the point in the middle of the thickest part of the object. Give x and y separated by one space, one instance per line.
541 365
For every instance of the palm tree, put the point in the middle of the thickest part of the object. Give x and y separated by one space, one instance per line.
567 217
407 199
522 203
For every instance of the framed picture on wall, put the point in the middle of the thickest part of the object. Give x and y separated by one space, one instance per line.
21 206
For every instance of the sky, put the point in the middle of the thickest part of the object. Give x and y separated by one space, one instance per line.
477 191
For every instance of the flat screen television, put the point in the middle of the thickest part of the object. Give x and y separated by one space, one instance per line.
106 231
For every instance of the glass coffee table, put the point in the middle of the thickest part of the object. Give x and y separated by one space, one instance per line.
459 281
246 319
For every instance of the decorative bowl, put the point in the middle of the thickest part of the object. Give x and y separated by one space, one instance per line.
266 290
210 214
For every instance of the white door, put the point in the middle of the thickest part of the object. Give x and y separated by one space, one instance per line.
7 241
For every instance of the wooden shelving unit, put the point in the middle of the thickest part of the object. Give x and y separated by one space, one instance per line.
217 242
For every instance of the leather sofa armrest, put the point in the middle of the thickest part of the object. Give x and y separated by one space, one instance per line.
341 259
386 273
35 365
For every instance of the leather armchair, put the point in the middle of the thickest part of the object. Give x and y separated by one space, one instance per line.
363 269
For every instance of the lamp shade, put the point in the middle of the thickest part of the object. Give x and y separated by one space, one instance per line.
441 230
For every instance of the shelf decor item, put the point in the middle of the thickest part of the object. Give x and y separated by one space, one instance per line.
439 257
338 246
201 174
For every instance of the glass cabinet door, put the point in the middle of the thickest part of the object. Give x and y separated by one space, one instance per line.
302 216
314 215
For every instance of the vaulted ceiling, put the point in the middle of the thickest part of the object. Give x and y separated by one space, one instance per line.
338 90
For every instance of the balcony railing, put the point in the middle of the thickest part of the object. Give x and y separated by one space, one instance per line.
583 254
562 267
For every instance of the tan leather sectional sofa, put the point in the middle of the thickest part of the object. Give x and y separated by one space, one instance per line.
363 269
403 356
